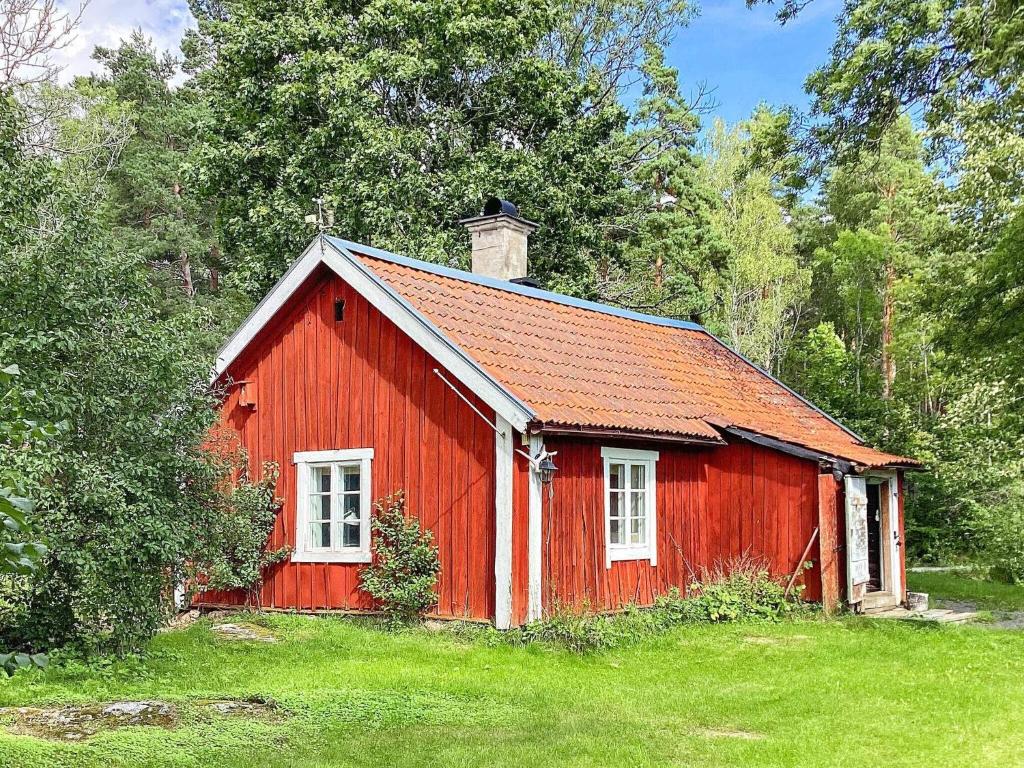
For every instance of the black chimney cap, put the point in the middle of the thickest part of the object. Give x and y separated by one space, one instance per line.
494 206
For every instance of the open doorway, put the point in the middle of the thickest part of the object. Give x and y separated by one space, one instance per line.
876 566
872 536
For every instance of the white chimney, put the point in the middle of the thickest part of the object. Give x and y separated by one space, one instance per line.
499 241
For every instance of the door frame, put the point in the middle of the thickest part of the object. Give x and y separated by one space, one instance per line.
891 593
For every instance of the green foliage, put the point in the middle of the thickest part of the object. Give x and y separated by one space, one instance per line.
121 495
150 209
19 555
403 574
757 296
739 590
405 114
237 554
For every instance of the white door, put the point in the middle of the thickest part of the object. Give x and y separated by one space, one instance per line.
856 538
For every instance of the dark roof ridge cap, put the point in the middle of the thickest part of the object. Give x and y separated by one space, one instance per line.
522 290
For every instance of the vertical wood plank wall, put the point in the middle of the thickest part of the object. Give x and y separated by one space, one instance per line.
360 383
831 542
713 504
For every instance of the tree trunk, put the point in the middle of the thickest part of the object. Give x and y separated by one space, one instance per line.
888 360
186 276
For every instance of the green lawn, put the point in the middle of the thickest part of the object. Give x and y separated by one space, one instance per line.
807 693
988 595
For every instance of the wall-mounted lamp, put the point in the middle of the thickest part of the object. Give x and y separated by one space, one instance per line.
542 464
546 468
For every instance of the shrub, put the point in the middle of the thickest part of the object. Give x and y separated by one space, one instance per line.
1006 545
740 589
403 574
238 554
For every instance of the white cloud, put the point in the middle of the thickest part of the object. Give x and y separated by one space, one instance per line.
105 22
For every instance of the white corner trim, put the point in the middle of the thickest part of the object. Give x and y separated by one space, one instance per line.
304 461
503 524
648 551
343 454
535 603
629 454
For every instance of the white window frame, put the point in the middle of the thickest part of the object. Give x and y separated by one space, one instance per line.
305 462
648 550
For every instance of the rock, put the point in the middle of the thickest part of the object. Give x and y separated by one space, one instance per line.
254 708
917 601
244 631
74 723
182 620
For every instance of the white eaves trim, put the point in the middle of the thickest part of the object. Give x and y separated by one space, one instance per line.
383 298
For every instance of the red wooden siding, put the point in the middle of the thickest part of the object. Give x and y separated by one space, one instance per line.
712 504
362 383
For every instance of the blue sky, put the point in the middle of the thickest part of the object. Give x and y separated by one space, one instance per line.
749 58
744 55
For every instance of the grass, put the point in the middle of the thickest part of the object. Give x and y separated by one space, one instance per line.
801 693
987 595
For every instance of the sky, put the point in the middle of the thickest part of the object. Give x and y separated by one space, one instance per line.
745 56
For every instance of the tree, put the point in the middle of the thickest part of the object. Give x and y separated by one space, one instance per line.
405 115
30 32
19 554
150 208
885 206
759 293
675 244
123 495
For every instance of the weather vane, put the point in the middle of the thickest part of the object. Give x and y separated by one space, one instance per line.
323 218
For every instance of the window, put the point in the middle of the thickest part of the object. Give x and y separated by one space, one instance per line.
629 505
333 508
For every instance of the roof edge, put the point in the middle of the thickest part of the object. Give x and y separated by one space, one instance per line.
364 281
503 285
788 388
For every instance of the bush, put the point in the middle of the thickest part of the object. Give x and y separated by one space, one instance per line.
238 554
737 590
740 589
403 574
1005 545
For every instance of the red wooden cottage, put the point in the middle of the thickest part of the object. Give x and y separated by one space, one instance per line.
363 372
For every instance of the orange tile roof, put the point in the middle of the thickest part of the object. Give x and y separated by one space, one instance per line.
579 367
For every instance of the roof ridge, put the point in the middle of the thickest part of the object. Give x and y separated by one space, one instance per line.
522 290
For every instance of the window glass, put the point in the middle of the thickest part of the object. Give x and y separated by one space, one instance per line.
335 507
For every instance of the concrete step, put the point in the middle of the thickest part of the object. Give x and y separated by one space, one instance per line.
937 615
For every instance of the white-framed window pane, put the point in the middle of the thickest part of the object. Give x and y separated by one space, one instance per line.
616 503
637 476
350 506
350 478
616 475
320 535
321 480
615 529
319 507
636 531
350 534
